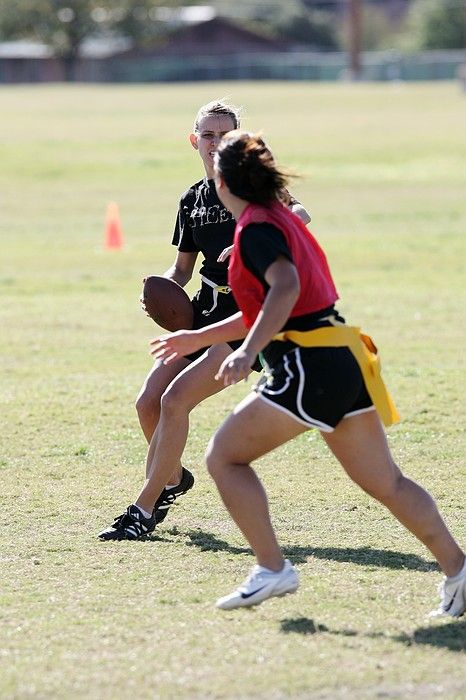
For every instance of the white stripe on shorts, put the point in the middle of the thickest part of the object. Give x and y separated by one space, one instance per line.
303 417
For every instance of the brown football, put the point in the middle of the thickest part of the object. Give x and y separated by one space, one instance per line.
167 303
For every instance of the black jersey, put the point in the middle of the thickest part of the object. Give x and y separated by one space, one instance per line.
261 244
203 225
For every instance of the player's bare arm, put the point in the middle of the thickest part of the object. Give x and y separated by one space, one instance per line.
182 269
170 346
282 277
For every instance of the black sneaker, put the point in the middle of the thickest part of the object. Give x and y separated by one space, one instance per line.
169 496
132 525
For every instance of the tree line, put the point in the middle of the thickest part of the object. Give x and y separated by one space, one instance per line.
311 24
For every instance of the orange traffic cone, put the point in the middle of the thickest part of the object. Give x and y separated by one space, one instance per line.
113 232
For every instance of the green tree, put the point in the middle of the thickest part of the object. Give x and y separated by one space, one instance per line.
313 29
65 25
61 25
292 20
437 24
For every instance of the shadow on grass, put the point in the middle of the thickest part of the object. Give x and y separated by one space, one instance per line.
153 537
207 542
451 636
364 556
301 625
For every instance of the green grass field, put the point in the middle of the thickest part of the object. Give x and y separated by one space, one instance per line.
384 174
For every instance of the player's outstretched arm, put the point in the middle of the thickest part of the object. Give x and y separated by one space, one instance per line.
282 277
172 345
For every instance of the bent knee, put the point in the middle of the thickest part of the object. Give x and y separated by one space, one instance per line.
147 406
173 400
141 404
210 456
213 458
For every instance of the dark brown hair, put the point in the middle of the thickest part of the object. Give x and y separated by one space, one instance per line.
248 167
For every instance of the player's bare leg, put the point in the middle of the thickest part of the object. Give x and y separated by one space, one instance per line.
360 445
192 385
148 401
245 436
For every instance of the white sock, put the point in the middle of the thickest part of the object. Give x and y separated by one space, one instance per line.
271 571
172 486
460 573
144 512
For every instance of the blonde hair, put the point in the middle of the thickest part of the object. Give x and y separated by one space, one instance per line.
218 107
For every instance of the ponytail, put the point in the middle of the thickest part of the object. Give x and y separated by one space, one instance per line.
248 167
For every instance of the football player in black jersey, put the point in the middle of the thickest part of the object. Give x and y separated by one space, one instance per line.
203 226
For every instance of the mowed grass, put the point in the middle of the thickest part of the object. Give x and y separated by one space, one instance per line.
384 176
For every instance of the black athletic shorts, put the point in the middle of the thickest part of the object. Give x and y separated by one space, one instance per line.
210 309
315 386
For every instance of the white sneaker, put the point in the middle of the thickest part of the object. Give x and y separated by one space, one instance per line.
261 584
452 592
